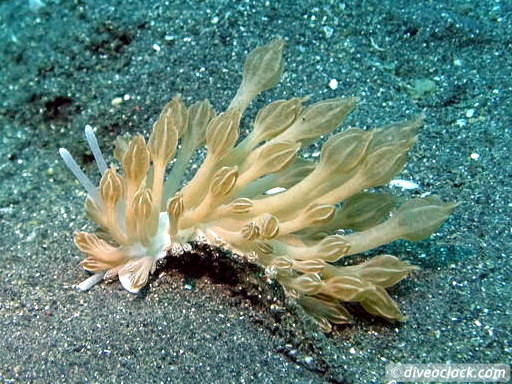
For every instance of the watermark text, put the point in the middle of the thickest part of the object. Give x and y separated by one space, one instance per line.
425 373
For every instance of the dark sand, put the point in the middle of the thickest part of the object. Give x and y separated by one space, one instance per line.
63 64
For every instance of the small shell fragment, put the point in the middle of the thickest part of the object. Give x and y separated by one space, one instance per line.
404 184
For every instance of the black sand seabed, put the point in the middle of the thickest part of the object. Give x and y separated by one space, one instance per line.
65 62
